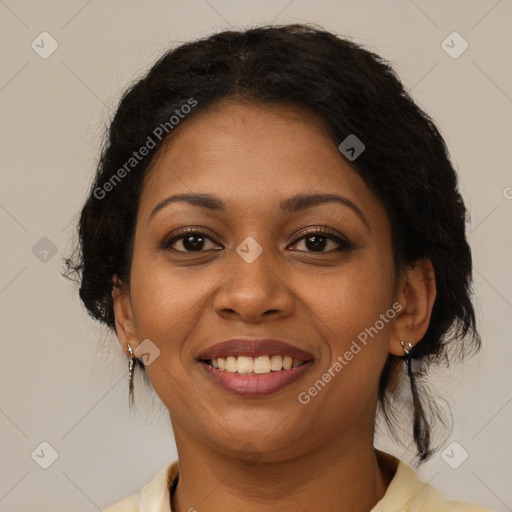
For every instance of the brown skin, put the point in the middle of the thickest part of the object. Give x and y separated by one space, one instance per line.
250 454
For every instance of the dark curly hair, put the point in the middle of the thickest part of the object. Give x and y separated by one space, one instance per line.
353 91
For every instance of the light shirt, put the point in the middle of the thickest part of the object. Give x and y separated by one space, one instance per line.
405 493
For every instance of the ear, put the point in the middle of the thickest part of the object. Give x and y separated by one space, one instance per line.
416 292
125 325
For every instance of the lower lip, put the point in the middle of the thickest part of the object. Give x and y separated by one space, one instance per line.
255 385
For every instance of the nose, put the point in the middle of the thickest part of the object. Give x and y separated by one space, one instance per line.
254 291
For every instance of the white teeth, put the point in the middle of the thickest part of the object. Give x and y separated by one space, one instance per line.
276 363
262 364
255 365
245 364
231 364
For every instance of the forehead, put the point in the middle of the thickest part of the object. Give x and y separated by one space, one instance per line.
254 156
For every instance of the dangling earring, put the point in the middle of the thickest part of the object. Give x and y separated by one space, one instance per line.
407 351
131 366
420 419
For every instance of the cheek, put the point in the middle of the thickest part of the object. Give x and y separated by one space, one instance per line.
355 315
166 303
163 304
350 301
169 301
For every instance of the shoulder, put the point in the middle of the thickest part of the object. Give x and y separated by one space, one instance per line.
154 496
130 504
408 493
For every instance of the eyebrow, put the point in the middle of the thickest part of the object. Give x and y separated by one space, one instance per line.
291 205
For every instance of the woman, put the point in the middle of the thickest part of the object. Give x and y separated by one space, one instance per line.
276 237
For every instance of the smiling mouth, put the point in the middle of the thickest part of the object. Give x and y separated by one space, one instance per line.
260 365
254 377
253 368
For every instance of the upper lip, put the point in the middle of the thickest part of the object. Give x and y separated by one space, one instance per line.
254 347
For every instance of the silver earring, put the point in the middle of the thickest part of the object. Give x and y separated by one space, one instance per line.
407 353
406 350
131 366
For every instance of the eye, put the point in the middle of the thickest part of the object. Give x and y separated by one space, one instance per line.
190 241
318 239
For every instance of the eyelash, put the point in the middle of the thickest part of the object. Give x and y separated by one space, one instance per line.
326 233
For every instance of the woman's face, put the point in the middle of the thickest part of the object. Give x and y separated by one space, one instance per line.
259 269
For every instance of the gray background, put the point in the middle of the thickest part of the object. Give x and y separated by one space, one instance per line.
63 380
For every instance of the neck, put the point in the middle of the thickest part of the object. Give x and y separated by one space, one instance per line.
348 475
